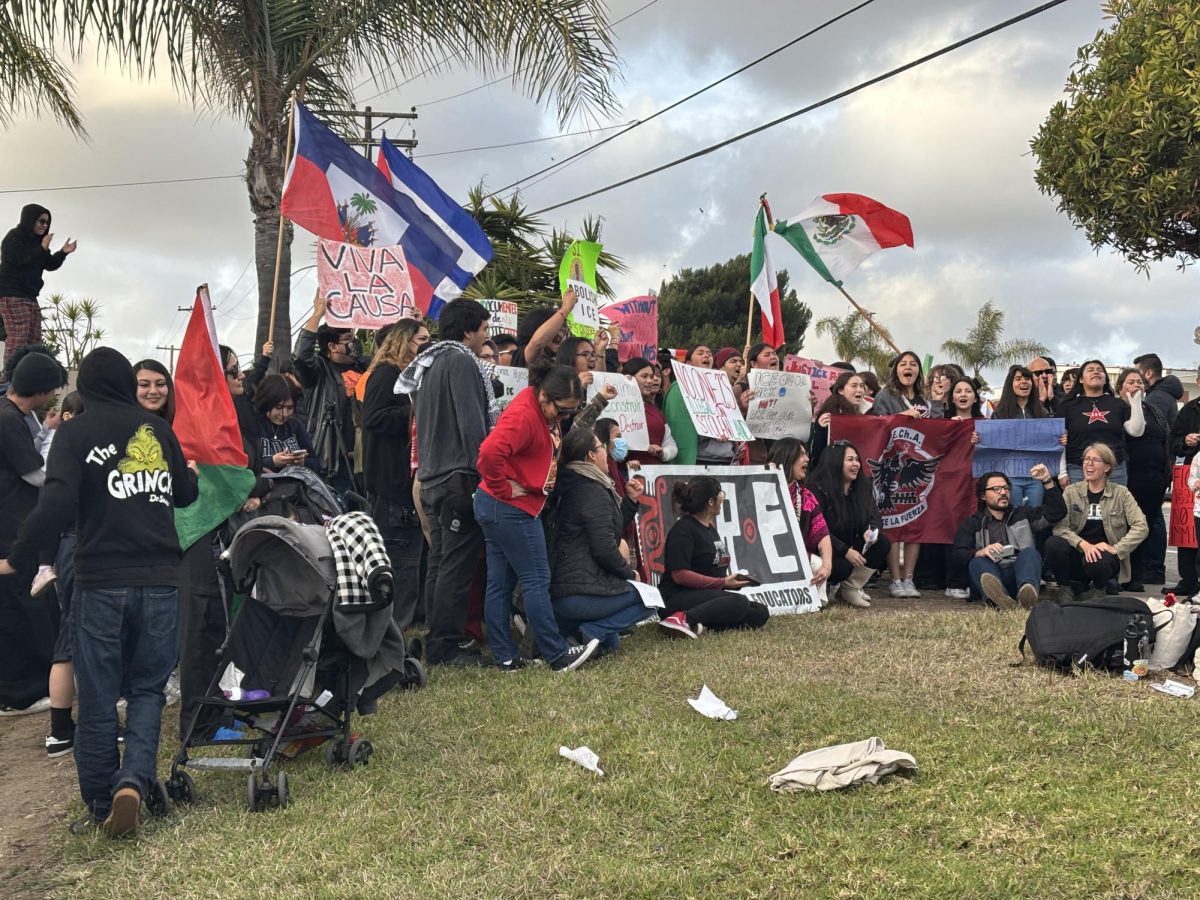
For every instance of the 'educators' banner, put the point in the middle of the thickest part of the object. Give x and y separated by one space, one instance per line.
757 523
577 272
1182 532
367 287
637 320
920 470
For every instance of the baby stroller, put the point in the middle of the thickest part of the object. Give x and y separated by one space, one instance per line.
284 675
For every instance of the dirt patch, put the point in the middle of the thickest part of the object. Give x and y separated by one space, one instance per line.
34 795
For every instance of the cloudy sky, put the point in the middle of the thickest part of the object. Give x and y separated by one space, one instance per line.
946 143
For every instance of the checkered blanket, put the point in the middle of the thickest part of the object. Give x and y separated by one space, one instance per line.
364 571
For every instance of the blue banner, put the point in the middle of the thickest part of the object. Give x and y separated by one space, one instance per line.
1014 446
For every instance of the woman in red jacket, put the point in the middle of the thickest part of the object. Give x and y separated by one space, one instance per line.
518 465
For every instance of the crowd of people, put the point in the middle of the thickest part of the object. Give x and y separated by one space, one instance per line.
518 517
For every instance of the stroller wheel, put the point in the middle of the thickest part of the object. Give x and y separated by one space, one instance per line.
414 674
158 802
359 752
281 790
252 793
335 753
181 788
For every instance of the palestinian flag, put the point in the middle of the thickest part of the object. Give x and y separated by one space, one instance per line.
763 285
207 427
839 231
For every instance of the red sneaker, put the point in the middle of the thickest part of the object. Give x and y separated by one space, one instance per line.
678 623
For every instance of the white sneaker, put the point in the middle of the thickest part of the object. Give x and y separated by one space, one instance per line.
35 707
896 587
910 589
171 689
958 593
45 577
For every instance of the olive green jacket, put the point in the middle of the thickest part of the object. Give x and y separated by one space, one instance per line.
1124 525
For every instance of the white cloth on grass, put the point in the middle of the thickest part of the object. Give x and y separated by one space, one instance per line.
844 765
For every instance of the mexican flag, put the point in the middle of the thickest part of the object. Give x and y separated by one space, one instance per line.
763 285
207 427
839 231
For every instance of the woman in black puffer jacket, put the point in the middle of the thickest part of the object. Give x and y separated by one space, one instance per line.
589 580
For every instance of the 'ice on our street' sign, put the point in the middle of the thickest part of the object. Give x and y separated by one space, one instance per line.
780 407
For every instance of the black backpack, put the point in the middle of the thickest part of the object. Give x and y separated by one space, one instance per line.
1069 636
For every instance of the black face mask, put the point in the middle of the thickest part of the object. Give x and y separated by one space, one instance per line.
354 348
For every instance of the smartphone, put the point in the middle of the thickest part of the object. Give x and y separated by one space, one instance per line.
750 580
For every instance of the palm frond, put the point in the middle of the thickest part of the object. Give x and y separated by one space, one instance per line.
32 78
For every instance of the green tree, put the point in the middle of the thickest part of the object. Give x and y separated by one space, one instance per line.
1122 153
855 341
709 306
70 328
32 78
983 348
245 58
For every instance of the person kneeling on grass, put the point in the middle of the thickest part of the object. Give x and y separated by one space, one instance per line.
697 590
1102 527
590 576
996 545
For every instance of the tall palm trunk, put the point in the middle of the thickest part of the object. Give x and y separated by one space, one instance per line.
264 182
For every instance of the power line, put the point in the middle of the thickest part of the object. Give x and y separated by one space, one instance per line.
979 35
691 96
88 187
541 140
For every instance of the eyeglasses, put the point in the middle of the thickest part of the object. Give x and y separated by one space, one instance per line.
598 448
1038 373
233 373
1000 489
564 413
43 221
587 354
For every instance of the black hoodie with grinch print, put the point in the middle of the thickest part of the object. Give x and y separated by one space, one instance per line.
118 471
23 259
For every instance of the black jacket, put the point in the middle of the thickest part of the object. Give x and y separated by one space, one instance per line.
1149 458
845 526
1187 422
118 472
387 442
324 387
587 557
1164 395
1022 522
23 259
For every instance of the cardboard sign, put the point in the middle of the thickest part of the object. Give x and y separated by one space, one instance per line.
628 409
577 272
781 406
822 376
637 320
1182 532
710 402
503 317
514 379
757 523
367 287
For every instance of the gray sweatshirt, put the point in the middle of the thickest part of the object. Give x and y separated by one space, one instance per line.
451 411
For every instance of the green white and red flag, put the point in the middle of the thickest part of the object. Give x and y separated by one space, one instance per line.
763 284
207 427
838 231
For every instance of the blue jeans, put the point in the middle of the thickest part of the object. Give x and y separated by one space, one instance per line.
125 645
1119 475
516 551
1027 492
1025 569
600 617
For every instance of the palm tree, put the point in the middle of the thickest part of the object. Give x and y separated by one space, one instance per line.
854 340
246 58
31 76
983 348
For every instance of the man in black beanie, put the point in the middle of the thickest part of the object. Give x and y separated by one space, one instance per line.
117 471
26 629
24 256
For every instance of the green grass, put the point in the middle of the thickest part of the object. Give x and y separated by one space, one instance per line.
1030 784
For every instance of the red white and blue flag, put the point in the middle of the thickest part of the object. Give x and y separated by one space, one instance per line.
336 194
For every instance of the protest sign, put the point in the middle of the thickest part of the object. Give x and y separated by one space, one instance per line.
637 320
627 408
781 407
710 402
577 272
503 317
920 470
822 376
757 523
1182 532
367 287
1014 446
514 379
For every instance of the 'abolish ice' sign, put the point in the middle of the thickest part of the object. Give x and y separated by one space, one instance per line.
367 287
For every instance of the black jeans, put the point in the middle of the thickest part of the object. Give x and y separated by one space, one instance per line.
716 608
456 544
1068 564
203 623
1149 559
401 532
876 559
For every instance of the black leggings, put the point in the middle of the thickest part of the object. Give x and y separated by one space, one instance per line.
876 559
716 608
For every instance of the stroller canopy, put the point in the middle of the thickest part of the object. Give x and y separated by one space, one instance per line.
291 565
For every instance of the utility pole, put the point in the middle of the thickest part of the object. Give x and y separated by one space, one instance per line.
372 119
173 349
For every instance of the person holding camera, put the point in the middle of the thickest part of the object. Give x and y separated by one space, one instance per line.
997 545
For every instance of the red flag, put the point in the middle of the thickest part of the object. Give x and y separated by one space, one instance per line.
920 469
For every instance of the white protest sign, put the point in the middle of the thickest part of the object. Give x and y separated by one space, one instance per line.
781 406
503 317
586 313
514 379
367 287
627 408
710 402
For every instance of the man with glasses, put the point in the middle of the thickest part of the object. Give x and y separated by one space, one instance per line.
997 546
1045 382
24 256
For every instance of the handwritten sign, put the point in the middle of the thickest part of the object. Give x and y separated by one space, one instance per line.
780 407
822 376
1183 525
637 320
577 272
627 408
514 379
503 317
710 402
367 287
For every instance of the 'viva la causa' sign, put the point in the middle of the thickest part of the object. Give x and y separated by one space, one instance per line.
367 287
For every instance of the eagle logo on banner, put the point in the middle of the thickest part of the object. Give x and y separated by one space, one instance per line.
903 476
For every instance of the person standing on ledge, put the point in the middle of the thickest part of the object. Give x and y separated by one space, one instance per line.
24 256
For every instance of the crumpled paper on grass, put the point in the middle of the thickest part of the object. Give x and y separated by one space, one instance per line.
584 756
709 704
841 766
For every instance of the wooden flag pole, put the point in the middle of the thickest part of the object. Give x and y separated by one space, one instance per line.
762 199
870 320
287 155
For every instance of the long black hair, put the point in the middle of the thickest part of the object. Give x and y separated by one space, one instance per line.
893 382
271 392
153 365
1077 391
951 409
556 382
690 497
1007 407
856 507
784 454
